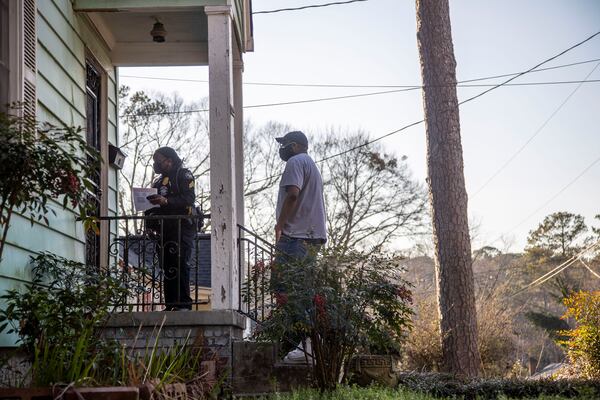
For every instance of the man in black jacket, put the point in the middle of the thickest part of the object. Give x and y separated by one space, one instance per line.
175 196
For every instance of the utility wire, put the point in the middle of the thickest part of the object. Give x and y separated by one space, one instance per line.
476 96
460 103
571 182
328 85
352 96
557 270
537 132
306 7
590 269
410 88
537 70
278 104
532 68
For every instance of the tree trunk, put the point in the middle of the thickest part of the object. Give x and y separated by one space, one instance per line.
447 193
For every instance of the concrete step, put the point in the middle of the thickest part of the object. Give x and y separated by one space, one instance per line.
257 369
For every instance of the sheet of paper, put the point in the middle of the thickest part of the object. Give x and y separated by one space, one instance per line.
139 198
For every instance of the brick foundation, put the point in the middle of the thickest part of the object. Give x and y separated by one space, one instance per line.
213 331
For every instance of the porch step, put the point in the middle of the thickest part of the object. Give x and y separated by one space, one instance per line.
257 369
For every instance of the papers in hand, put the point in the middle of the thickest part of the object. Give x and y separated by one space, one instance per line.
139 198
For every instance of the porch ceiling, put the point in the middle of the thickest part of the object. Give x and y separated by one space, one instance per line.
127 35
125 26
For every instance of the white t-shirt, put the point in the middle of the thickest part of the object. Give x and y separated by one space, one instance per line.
308 220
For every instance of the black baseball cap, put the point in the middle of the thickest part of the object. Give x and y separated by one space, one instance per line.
294 136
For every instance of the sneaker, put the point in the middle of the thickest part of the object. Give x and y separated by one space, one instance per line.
299 355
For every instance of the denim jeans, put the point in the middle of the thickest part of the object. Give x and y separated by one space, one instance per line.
292 254
290 251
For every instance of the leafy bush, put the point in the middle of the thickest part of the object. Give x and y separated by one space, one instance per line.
58 317
52 162
448 386
343 303
583 342
64 299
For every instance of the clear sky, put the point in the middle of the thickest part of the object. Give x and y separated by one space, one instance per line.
374 43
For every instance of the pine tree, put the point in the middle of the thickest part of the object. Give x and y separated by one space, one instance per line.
447 193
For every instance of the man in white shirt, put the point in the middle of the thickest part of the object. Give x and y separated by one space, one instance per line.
300 214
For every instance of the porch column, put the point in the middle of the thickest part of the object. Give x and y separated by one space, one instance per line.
225 273
238 106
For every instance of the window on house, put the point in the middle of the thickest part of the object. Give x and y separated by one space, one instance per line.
4 54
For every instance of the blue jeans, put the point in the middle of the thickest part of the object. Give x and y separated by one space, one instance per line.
290 251
292 255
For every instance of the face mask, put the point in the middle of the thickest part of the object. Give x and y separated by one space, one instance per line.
157 168
286 152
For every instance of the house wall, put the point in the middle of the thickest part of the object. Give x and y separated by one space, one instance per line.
64 40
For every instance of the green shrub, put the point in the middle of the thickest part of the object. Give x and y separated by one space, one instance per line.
58 318
39 162
343 303
583 342
448 386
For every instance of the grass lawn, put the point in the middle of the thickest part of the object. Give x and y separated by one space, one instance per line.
374 393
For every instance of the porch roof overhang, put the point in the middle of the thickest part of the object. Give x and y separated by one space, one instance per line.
125 27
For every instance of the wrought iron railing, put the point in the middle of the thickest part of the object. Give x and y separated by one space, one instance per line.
142 248
255 261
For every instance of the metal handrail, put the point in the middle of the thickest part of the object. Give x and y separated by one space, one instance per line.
255 257
137 258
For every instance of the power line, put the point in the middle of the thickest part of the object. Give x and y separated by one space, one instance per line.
328 85
462 102
351 96
557 270
280 103
478 95
537 70
511 158
306 7
590 269
586 169
531 69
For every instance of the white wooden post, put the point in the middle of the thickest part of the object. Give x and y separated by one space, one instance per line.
238 106
225 271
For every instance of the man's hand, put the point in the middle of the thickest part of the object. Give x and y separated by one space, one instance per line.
287 210
278 230
157 200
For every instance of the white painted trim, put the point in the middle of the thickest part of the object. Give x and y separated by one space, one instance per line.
214 10
104 103
97 21
238 131
248 34
160 54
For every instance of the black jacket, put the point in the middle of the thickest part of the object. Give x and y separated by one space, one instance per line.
178 187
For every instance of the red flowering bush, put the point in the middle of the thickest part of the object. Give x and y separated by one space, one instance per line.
43 162
345 304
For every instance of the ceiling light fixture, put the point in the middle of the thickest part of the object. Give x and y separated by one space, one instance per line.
158 32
